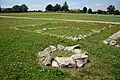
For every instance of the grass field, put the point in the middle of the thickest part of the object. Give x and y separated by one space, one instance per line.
18 48
78 16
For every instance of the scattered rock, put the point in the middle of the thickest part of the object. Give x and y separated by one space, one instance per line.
60 47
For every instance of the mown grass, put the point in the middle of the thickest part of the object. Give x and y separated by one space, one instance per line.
18 50
67 16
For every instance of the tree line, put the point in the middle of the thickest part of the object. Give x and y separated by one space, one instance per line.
57 7
64 8
15 8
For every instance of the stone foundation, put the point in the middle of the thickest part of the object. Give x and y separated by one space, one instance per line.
78 59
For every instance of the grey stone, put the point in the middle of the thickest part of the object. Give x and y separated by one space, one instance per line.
105 42
45 57
65 62
55 64
79 63
42 55
60 47
71 48
117 46
53 48
47 61
76 51
112 42
44 29
48 50
79 56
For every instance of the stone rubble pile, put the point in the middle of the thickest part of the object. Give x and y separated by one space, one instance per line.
111 40
77 60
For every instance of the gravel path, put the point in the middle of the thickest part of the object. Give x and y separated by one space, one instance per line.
60 19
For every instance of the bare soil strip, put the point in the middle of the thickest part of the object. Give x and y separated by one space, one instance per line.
107 22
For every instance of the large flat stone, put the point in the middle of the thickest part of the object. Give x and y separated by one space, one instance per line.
65 62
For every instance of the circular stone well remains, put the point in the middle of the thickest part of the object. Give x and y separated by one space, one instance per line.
61 56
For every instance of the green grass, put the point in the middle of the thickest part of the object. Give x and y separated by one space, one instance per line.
73 28
67 16
18 60
118 41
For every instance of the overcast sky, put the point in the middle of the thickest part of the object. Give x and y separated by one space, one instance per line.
73 4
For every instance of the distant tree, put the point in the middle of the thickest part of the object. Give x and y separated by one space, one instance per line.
90 11
84 9
23 8
57 7
65 7
104 12
99 11
94 12
16 8
117 12
111 9
7 10
40 11
0 9
49 7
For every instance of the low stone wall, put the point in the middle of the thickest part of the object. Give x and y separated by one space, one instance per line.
78 59
111 40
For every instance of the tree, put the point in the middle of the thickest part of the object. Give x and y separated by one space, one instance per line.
104 12
117 12
99 11
90 11
84 9
16 8
65 7
94 12
57 7
23 8
111 9
0 9
49 7
7 10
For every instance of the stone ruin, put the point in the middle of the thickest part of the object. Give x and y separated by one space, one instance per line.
111 40
77 60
